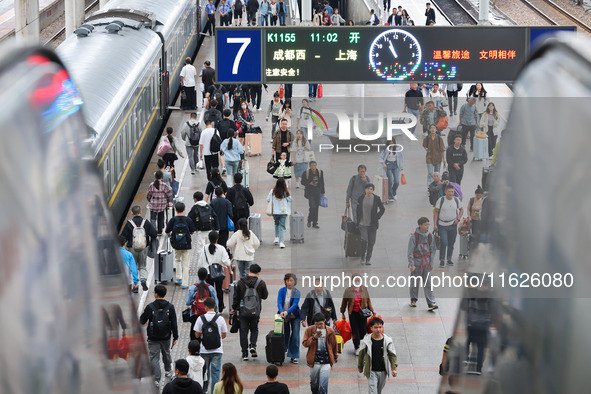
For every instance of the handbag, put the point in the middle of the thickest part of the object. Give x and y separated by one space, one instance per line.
309 156
271 167
324 201
187 315
437 238
444 102
402 179
234 324
345 219
230 224
365 312
270 207
216 271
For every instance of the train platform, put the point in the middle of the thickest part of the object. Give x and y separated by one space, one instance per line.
419 335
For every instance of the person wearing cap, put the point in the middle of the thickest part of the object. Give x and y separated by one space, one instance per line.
430 14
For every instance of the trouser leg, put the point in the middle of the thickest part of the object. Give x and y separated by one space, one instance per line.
166 357
140 260
371 241
154 349
254 331
426 275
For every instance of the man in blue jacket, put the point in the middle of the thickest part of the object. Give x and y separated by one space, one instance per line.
288 300
131 267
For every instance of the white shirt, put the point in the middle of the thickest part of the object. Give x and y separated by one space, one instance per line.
222 327
188 73
448 211
220 257
205 140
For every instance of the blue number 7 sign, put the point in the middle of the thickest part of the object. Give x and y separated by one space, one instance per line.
238 55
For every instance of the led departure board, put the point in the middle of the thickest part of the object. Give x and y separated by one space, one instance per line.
378 54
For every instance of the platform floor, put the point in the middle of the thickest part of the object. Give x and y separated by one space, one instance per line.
419 335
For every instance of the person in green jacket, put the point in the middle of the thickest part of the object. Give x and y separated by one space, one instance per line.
377 357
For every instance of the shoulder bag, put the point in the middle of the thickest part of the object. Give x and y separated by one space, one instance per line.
216 271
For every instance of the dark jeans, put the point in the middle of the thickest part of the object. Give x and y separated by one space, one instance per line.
312 90
448 239
256 93
217 284
157 216
456 175
288 91
274 121
452 99
223 237
478 338
465 130
368 235
190 92
211 25
211 161
358 327
246 324
273 20
313 203
252 18
225 20
475 236
492 140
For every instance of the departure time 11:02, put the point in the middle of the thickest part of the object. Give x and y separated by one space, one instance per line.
328 37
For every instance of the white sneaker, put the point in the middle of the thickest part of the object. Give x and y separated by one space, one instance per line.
395 198
276 241
281 245
357 352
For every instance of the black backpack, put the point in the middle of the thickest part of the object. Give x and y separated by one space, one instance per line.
194 133
215 143
239 94
180 237
240 199
218 94
210 333
161 325
204 219
238 5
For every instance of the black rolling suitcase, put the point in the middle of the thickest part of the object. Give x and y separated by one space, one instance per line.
486 178
275 348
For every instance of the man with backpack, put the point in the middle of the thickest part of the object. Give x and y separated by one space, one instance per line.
249 293
446 216
209 147
226 125
204 218
179 229
241 199
217 92
241 93
211 328
421 253
139 234
162 325
130 266
213 113
256 94
196 297
191 134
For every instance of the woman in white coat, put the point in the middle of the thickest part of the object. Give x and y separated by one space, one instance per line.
214 254
244 243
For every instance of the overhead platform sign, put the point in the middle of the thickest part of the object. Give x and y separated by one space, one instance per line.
372 54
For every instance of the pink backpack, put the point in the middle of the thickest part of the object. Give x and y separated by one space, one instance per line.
163 147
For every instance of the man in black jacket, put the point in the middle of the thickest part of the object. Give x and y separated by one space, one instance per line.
369 212
318 301
456 157
241 199
430 14
182 384
226 124
161 317
249 323
313 181
252 6
137 221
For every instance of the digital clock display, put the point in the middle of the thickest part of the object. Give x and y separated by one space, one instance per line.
372 54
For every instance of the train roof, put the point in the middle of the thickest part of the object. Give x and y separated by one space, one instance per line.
101 63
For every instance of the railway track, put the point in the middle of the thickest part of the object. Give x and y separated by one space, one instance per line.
455 13
555 14
54 40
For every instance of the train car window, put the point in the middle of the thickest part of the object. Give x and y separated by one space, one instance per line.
139 112
122 155
125 145
112 171
106 173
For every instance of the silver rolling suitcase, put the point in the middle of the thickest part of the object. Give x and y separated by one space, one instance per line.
254 225
163 264
464 246
296 227
245 171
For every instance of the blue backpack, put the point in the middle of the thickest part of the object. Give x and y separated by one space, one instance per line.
180 237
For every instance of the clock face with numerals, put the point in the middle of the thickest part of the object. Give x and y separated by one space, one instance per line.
395 55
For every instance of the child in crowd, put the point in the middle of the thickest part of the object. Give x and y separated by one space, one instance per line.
196 362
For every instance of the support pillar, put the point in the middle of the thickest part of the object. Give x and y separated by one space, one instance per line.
74 15
483 13
26 20
306 13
